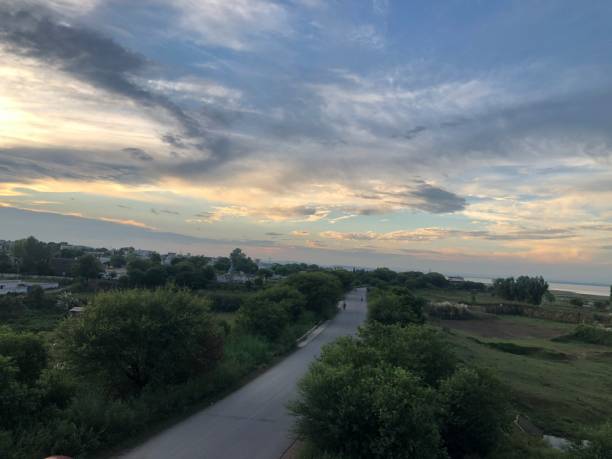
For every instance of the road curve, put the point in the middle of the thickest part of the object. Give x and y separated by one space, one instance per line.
253 422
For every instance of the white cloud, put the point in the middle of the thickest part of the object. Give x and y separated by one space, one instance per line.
231 24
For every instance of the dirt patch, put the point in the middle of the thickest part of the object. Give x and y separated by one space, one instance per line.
490 326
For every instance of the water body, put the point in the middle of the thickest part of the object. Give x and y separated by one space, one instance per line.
585 289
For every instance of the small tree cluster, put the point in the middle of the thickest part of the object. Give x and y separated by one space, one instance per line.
395 307
523 288
397 392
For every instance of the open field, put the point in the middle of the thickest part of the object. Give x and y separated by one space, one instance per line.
562 387
507 327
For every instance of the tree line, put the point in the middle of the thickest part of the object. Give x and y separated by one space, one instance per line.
137 356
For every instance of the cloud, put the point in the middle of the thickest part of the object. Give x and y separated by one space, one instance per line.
434 234
299 233
236 25
101 62
138 153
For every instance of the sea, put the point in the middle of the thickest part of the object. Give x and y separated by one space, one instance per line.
585 289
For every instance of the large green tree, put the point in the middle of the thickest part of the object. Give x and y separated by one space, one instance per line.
88 267
361 409
321 290
33 256
134 338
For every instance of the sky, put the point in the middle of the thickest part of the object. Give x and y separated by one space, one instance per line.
468 137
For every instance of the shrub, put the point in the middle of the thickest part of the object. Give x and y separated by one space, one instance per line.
137 337
223 301
367 412
476 414
263 317
449 311
422 350
589 334
321 290
26 352
599 444
390 308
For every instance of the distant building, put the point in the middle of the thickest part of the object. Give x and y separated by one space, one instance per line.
168 258
234 277
75 311
455 279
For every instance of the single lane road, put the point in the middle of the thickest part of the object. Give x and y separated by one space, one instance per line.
252 422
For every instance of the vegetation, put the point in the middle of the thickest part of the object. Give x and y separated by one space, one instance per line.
524 288
589 334
395 307
137 356
375 396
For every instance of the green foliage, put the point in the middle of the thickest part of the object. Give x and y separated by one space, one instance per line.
396 392
390 308
133 338
269 312
242 263
26 352
118 261
321 290
422 350
88 267
33 256
222 264
6 264
589 334
476 413
366 411
599 444
226 301
345 277
524 288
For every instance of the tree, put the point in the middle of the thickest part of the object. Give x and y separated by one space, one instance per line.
361 410
419 349
389 308
524 288
155 276
269 312
134 338
222 264
242 263
33 255
321 290
117 261
155 258
6 265
88 267
261 316
26 352
476 414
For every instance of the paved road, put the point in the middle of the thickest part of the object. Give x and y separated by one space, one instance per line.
251 423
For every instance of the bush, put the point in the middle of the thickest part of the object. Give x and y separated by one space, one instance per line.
263 317
367 412
321 290
476 414
599 444
589 334
226 301
422 350
388 308
133 338
26 352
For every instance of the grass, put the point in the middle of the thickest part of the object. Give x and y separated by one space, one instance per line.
562 387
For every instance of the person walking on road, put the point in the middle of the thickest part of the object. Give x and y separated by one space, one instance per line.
344 305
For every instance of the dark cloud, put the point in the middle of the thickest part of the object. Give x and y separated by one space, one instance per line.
164 211
102 62
138 153
436 200
273 234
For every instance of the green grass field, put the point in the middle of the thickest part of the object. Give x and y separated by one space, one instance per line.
562 387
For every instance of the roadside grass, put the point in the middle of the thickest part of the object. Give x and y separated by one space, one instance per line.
562 396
